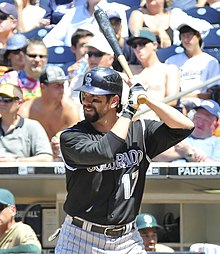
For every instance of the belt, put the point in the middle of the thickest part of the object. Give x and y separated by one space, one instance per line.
107 230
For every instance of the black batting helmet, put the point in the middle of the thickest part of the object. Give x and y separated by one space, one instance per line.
102 81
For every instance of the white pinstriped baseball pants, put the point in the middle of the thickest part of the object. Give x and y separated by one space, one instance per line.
74 240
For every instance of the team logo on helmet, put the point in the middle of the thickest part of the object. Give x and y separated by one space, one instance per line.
88 79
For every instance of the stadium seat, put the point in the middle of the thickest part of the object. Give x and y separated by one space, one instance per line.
164 53
38 32
212 39
207 13
215 52
61 56
211 43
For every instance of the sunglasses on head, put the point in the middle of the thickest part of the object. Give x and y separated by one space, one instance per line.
35 55
7 99
140 43
2 207
95 53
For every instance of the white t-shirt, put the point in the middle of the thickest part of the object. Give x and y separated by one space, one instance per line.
195 70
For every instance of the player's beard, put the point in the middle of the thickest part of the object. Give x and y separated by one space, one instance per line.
92 118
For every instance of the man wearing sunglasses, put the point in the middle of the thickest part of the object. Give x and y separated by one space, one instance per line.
36 58
159 79
99 53
22 139
15 237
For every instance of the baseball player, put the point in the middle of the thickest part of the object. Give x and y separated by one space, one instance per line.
106 157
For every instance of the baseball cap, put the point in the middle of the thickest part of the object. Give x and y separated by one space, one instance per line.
6 197
99 42
52 74
196 24
112 14
10 85
16 41
211 106
142 34
9 9
146 221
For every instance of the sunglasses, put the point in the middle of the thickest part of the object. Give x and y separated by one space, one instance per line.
4 16
95 53
2 207
35 55
7 99
140 43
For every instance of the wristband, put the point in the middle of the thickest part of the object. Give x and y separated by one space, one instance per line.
128 112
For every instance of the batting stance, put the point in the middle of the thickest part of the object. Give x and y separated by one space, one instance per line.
106 157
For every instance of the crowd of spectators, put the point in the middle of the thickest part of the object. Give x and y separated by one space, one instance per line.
154 25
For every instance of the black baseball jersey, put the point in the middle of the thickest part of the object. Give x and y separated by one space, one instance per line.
105 174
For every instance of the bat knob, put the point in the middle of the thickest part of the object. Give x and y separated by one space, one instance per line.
142 99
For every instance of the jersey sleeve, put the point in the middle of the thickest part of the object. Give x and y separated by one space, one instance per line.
85 149
159 137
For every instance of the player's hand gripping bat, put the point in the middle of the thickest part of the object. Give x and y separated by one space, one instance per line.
110 36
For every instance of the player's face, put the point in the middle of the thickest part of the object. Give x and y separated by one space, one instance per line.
94 106
149 236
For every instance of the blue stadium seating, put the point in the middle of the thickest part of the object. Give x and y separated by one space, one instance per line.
38 32
207 13
61 56
211 43
212 39
164 53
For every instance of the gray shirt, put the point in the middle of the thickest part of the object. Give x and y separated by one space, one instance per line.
27 139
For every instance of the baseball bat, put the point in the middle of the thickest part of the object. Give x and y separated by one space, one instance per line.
109 33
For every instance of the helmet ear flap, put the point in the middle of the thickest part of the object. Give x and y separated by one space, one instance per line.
80 97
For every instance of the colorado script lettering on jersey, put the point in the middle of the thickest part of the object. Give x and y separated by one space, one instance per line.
122 160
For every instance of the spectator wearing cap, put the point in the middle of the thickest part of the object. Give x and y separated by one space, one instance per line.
52 109
15 237
156 17
115 20
195 66
147 226
8 21
15 51
99 53
201 145
159 87
21 139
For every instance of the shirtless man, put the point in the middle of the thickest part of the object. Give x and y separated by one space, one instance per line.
159 79
54 111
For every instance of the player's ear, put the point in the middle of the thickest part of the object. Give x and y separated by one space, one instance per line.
115 101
